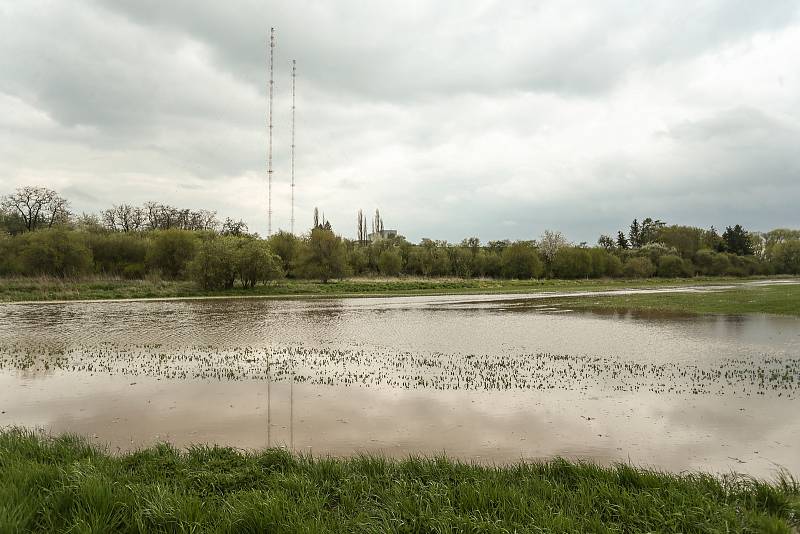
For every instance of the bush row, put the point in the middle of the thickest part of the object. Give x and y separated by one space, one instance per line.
216 261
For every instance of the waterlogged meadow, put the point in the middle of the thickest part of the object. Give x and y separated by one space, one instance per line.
480 378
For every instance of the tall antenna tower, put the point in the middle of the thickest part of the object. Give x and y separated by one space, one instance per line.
269 150
294 70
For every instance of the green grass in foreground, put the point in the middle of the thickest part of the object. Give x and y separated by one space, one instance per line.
65 485
780 299
33 289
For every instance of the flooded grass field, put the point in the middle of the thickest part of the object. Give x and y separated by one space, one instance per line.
487 378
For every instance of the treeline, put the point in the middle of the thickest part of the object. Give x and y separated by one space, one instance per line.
40 238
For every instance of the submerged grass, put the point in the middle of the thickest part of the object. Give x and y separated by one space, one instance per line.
63 484
99 288
779 299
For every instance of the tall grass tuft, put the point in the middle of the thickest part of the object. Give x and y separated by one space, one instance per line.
62 484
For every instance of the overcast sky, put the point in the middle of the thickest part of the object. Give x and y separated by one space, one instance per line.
455 118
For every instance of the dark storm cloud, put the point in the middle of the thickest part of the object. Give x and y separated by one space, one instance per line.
496 119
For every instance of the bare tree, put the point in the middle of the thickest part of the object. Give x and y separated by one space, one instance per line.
37 207
124 218
232 227
206 219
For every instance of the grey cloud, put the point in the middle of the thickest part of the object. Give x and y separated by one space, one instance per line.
455 118
401 51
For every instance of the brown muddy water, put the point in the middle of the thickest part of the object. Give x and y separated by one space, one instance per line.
486 378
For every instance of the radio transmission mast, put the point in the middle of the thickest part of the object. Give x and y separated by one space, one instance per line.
294 70
269 150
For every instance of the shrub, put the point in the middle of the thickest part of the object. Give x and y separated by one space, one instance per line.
720 264
357 260
214 266
671 266
54 252
654 251
9 257
322 256
171 252
639 268
521 261
255 262
488 263
287 247
134 271
572 262
113 253
390 263
462 261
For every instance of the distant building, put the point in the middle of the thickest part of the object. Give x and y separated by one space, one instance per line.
383 234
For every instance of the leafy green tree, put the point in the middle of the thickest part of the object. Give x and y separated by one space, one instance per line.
357 259
786 256
390 263
472 243
55 252
606 242
439 261
497 246
256 263
488 263
286 246
613 266
776 237
638 267
703 261
600 259
171 251
687 240
415 264
462 261
323 256
521 261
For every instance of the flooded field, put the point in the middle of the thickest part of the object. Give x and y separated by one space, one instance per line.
486 378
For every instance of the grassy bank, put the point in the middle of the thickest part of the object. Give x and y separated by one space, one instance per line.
780 299
66 485
38 289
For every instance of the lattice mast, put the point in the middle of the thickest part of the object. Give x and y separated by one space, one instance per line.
294 71
269 123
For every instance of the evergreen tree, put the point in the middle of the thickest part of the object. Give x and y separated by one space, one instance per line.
737 241
635 234
622 241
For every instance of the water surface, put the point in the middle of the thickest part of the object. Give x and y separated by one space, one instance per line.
485 378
